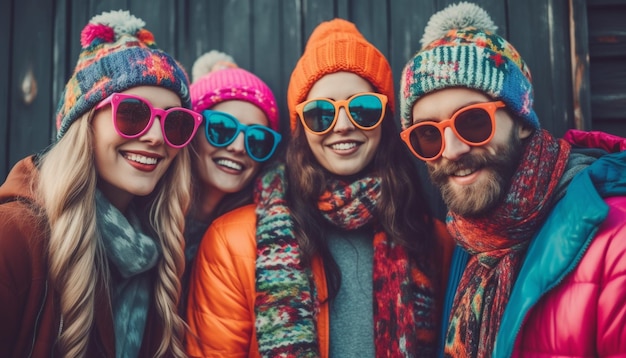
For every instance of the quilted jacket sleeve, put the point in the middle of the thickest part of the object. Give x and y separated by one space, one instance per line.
220 309
611 326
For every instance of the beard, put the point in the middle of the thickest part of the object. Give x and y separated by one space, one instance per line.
484 195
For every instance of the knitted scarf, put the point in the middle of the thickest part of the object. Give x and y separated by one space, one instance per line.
132 254
286 304
497 244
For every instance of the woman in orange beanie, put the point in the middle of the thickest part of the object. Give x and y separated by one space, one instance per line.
338 256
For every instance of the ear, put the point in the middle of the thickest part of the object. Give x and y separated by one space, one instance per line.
524 131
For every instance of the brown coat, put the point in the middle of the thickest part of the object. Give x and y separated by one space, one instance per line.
29 314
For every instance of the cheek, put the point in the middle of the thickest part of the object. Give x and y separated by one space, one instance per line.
171 152
202 148
374 137
313 139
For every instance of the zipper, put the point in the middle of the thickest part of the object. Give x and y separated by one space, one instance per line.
41 306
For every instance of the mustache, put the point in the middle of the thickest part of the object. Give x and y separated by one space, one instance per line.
473 161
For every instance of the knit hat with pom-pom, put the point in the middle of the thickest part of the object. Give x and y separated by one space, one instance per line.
460 49
117 54
217 78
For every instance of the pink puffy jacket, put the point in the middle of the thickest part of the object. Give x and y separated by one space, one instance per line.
569 299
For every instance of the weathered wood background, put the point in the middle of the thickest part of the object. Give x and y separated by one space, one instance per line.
575 49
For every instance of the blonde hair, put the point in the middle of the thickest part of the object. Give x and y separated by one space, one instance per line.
78 266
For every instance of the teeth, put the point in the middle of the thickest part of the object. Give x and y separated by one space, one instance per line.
463 172
343 146
230 164
141 159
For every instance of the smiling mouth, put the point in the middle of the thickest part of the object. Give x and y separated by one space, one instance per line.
229 164
141 159
463 172
344 145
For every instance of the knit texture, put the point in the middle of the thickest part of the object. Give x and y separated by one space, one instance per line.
117 54
132 254
461 49
497 244
336 46
217 78
286 305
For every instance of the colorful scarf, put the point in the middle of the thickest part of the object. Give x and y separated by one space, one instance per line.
497 244
286 305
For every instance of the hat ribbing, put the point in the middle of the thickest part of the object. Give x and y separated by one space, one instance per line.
217 79
336 46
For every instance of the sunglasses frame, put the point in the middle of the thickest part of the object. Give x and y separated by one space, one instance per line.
116 98
489 107
345 104
207 113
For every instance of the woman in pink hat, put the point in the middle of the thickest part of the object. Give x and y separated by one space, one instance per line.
238 135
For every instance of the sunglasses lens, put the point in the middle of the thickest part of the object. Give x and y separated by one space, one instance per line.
178 127
132 116
366 110
221 129
260 143
426 140
319 115
474 125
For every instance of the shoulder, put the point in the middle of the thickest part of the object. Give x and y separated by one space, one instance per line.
19 225
611 234
22 243
232 234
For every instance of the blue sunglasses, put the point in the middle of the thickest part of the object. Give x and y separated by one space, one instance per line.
221 129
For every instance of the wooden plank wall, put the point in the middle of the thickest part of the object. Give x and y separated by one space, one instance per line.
607 64
264 36
5 71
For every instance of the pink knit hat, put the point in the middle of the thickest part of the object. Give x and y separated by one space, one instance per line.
216 79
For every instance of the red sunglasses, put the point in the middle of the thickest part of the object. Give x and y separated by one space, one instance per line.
474 125
133 117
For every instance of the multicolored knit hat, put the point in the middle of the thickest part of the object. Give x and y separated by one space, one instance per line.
336 46
117 54
216 78
461 49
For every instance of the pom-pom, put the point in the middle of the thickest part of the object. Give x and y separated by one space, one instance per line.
209 62
457 16
94 34
146 37
110 24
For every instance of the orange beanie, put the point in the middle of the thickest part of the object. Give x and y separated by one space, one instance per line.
336 46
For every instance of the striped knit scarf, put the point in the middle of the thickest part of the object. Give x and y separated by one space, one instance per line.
286 304
497 244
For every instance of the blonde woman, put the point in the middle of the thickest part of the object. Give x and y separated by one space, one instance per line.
91 232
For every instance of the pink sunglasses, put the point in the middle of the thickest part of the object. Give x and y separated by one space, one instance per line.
133 117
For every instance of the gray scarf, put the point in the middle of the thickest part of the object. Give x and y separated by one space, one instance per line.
132 254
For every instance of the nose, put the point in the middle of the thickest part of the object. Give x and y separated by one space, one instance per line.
454 148
154 135
238 145
344 124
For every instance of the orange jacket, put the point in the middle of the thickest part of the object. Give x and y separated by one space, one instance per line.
220 309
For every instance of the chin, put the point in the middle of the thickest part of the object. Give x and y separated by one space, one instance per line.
472 200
